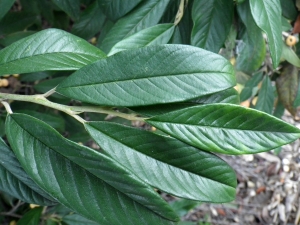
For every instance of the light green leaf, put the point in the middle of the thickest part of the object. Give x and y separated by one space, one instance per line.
71 7
267 15
90 22
145 15
32 217
16 182
252 48
289 55
167 163
266 97
226 128
76 174
150 75
156 35
115 9
212 22
5 7
248 90
50 49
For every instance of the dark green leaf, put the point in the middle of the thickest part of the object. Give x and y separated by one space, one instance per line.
287 87
166 163
50 49
90 22
32 77
279 110
5 7
146 15
9 39
115 9
266 97
252 48
289 9
156 35
32 217
183 206
105 29
297 99
227 96
267 15
75 219
186 24
249 89
212 22
46 8
17 21
16 182
74 174
150 75
226 128
71 7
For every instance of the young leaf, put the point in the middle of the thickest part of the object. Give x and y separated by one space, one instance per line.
71 7
16 182
32 217
252 49
146 15
50 49
5 7
247 91
115 9
266 97
167 163
226 128
212 22
156 35
71 173
267 15
90 22
150 75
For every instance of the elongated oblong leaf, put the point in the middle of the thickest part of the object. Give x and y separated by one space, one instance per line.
5 6
166 163
67 171
145 15
267 15
50 49
247 91
71 7
156 35
212 22
15 181
226 128
150 75
266 97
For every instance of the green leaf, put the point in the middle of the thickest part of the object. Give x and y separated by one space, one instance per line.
17 21
145 15
150 75
156 35
71 173
249 89
115 9
226 128
90 22
50 49
266 97
289 9
212 22
11 38
32 217
75 219
166 163
227 96
5 6
252 48
183 206
71 7
267 15
289 55
16 182
297 98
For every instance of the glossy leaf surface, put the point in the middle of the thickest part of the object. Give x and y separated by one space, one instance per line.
266 97
267 15
166 163
115 9
150 75
226 128
212 22
50 49
16 182
5 7
67 171
156 35
145 15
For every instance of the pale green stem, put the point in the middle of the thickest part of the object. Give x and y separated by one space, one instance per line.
7 107
70 110
180 12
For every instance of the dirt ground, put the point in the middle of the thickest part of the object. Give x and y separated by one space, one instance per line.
267 192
